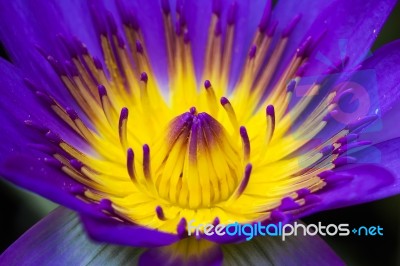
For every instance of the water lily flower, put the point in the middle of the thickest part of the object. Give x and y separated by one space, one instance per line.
142 116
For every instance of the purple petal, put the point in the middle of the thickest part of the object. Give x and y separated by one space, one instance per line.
18 104
35 26
198 15
60 238
384 63
45 180
109 230
385 154
377 93
368 182
378 83
353 27
286 10
150 20
375 175
249 14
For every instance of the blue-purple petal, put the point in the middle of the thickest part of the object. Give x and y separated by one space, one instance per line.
385 74
286 10
377 80
375 175
352 28
30 28
47 181
44 179
198 15
109 230
18 104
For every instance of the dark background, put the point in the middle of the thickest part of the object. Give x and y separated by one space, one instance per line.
19 209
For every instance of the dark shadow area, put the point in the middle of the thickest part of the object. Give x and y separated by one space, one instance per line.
17 215
365 250
3 53
391 29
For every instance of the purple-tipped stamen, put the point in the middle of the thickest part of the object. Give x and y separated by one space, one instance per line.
350 146
348 138
165 7
327 150
232 13
291 86
144 77
37 126
216 221
71 113
253 51
272 28
193 110
106 205
181 228
224 101
97 63
270 111
76 164
122 130
207 84
112 25
146 161
262 26
102 90
77 189
340 161
160 213
217 7
139 47
362 123
52 161
246 178
53 137
288 204
130 164
290 27
123 115
46 98
245 143
303 50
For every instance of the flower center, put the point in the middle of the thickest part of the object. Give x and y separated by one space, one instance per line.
238 160
200 166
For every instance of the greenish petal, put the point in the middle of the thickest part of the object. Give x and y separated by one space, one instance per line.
60 239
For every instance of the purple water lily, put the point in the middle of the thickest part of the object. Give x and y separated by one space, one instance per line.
143 116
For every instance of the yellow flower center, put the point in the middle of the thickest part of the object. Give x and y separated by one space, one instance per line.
192 150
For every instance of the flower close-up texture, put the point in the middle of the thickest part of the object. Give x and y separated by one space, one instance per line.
142 118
